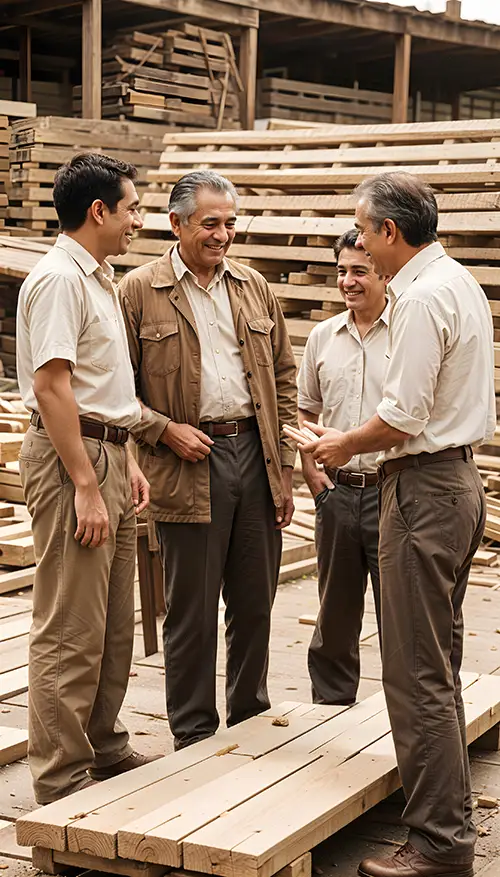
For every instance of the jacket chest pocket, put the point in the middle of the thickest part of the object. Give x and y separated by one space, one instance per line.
160 348
260 333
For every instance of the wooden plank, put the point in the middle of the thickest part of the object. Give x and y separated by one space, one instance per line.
14 628
13 745
10 445
13 682
18 108
248 74
401 87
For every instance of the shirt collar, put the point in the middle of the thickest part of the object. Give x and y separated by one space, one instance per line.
409 272
180 268
347 320
82 257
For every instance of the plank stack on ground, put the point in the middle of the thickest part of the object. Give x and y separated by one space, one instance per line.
39 146
184 78
228 805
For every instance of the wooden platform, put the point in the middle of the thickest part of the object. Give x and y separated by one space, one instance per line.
228 805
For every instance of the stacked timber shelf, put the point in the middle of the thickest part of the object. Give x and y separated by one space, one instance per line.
185 78
296 197
39 146
314 102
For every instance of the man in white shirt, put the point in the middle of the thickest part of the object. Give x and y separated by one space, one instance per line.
81 483
438 401
341 378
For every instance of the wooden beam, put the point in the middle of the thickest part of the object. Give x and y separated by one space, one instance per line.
248 73
401 87
25 78
231 13
91 58
34 7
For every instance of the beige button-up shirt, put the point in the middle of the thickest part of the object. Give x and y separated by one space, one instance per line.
224 391
439 385
69 309
342 374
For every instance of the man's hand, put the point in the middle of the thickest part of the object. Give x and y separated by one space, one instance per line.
331 449
92 517
139 484
317 481
285 511
186 441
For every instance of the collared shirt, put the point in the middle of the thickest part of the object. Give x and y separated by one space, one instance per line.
224 389
69 309
439 385
342 374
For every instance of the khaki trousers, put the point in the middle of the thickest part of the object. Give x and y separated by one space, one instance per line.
431 523
347 545
81 637
239 553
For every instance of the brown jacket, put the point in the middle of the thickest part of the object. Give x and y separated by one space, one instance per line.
166 358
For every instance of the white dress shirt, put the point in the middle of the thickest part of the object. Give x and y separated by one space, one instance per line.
439 384
224 391
68 309
342 374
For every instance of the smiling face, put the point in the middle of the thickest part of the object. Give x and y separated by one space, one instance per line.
361 287
209 232
119 225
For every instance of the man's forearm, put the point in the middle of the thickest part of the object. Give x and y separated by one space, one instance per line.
59 414
309 467
374 435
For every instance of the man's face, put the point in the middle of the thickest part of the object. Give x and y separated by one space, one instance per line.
362 289
209 232
119 226
374 243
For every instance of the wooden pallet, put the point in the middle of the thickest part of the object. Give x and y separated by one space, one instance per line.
228 805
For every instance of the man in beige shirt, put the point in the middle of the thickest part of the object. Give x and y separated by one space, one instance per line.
215 373
341 378
438 401
81 483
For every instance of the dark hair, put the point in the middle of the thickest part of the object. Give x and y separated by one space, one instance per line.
86 178
405 199
346 241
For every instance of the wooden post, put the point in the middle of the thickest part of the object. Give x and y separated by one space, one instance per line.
25 84
454 9
248 73
401 86
91 58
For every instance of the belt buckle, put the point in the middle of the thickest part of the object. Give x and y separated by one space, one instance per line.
362 479
236 429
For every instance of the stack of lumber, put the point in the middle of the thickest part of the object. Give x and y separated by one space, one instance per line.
296 197
39 146
4 166
314 102
185 78
228 805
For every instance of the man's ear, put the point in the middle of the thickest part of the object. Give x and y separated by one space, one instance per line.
390 230
174 223
96 211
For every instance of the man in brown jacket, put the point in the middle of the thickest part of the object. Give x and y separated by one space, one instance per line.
215 374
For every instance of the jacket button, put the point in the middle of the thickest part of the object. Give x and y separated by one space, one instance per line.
257 405
249 374
158 335
268 460
241 342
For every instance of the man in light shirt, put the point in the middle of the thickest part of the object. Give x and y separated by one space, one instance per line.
81 483
215 374
341 378
438 401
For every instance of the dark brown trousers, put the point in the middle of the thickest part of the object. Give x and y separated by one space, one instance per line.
347 545
238 552
431 522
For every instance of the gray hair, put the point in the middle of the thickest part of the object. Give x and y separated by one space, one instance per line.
183 195
405 199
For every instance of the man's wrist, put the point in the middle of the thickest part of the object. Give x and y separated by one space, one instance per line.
349 443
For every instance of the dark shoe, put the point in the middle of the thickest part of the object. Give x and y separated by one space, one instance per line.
408 862
83 784
135 759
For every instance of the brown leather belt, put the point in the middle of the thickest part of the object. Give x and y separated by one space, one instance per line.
92 429
230 428
464 452
352 479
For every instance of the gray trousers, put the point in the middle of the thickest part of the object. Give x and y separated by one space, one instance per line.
347 545
240 551
431 523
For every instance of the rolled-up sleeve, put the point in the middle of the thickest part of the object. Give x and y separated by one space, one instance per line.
55 314
417 345
308 381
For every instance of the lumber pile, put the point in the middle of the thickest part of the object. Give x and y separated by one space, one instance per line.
325 104
39 146
183 78
228 805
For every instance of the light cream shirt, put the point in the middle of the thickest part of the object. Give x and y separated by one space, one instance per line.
342 374
68 309
224 393
439 385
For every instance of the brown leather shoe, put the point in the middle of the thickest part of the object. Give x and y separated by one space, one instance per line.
408 862
135 759
82 784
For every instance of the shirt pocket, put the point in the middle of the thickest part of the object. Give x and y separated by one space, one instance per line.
103 352
160 348
260 333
